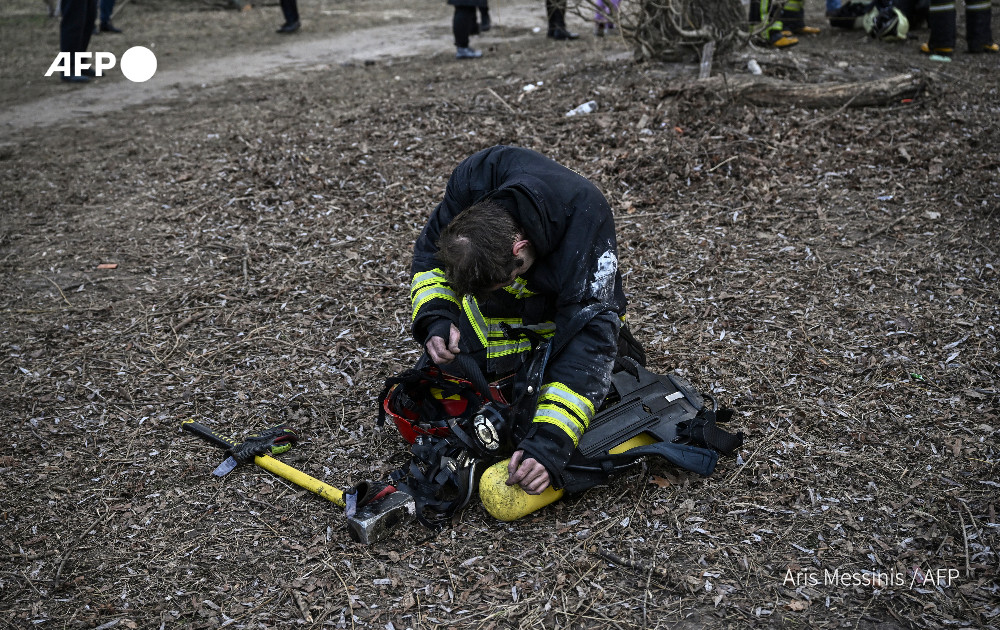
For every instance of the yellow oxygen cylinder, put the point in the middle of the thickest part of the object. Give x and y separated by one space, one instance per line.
509 503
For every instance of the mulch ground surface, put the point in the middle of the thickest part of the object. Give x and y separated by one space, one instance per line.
831 273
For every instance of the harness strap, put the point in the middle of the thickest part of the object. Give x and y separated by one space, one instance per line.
471 370
703 430
462 437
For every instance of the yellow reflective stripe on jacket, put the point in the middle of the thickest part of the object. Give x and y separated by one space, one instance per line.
519 288
428 285
561 406
490 334
475 316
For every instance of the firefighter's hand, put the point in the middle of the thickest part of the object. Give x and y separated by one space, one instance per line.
440 351
527 473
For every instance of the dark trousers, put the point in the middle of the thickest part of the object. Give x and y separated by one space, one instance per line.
556 10
291 10
76 27
107 8
464 24
942 18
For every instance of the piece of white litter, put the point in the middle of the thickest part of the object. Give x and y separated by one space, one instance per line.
584 108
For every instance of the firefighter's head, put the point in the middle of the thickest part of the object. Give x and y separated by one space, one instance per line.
483 249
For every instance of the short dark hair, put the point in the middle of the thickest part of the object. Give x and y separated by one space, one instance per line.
476 249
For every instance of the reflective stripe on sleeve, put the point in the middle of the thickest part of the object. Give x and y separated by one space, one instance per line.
561 406
429 285
557 416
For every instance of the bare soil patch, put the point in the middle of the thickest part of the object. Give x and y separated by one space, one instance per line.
831 272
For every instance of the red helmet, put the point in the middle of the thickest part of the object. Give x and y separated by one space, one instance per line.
421 401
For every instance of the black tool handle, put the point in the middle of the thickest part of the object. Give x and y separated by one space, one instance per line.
206 434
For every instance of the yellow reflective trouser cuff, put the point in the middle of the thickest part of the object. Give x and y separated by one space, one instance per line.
429 285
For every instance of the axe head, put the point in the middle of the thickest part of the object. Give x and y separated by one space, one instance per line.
225 467
378 519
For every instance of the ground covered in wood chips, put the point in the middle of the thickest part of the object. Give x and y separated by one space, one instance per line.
831 273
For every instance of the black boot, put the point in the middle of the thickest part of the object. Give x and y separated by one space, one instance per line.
941 23
978 30
560 33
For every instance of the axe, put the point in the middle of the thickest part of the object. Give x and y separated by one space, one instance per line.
373 510
275 440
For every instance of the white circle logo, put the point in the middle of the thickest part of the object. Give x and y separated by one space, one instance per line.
138 64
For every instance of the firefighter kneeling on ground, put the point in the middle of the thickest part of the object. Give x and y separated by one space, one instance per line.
520 241
518 303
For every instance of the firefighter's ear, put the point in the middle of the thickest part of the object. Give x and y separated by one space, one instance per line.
524 252
521 246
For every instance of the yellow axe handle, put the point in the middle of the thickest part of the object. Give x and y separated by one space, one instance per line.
300 479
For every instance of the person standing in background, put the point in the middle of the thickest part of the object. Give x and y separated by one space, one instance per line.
75 30
464 25
290 9
771 32
107 7
603 16
793 15
484 18
978 28
556 11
